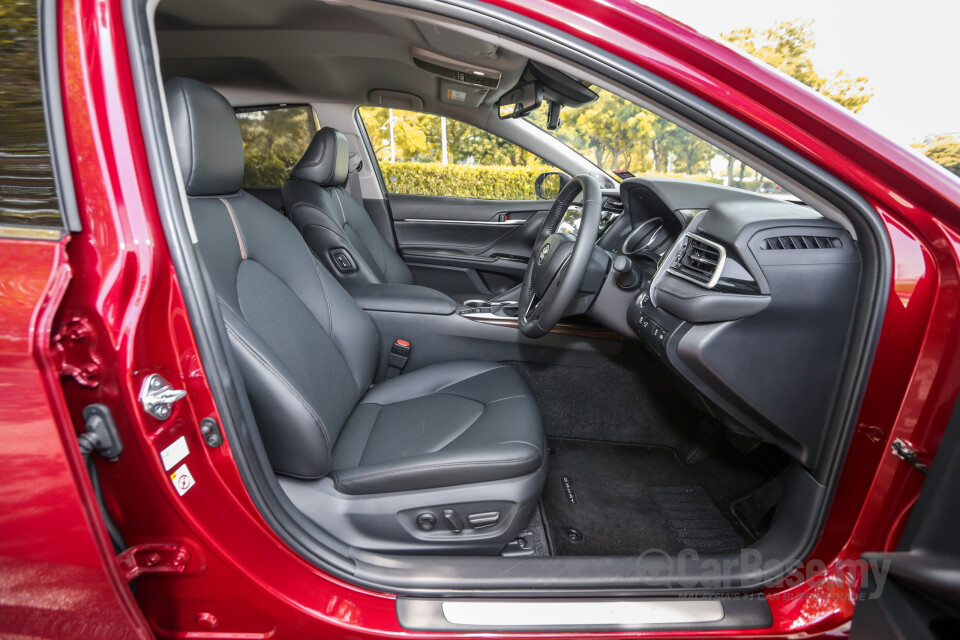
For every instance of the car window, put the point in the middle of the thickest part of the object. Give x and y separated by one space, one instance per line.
274 138
626 140
425 154
28 194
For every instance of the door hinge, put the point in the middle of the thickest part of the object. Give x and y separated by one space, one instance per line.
73 351
909 454
153 558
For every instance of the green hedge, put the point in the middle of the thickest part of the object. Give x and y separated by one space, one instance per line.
267 170
462 181
700 177
472 181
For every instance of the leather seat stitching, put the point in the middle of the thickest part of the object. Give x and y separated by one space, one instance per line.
343 213
286 384
236 228
369 435
475 375
507 398
186 104
316 267
321 210
227 305
439 466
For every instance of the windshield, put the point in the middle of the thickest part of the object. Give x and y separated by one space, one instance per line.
626 140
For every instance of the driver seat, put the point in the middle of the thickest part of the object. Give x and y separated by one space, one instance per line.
449 457
331 220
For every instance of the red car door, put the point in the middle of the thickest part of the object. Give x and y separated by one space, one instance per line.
58 575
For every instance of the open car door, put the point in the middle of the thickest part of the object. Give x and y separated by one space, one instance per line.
920 597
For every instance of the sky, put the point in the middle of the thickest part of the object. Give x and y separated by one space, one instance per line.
909 51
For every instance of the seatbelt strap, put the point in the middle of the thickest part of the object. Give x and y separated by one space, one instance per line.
353 177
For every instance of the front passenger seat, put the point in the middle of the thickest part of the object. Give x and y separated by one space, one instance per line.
335 226
447 458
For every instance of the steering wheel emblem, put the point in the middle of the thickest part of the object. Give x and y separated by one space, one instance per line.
543 253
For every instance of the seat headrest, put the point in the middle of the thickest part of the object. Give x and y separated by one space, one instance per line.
206 135
326 160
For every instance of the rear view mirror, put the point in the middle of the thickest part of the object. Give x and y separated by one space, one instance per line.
549 184
521 100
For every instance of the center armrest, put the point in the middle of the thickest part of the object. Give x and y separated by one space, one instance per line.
401 298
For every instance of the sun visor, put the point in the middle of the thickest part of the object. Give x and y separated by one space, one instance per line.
460 94
395 100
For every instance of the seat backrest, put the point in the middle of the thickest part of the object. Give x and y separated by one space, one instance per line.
307 352
332 221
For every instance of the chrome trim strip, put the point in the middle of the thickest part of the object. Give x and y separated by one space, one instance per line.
528 613
716 273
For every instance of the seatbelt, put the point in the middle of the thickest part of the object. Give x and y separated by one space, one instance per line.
353 176
399 354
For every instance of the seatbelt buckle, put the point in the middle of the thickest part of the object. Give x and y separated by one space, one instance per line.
399 354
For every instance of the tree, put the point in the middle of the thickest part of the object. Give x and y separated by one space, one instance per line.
273 141
945 151
693 155
409 138
662 141
787 46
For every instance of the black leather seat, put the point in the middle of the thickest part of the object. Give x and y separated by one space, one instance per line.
331 220
457 434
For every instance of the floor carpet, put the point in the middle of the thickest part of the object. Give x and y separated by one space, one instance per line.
607 498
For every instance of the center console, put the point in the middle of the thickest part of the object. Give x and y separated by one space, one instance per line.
438 329
490 310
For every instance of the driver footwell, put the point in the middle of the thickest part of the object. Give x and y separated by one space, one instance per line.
605 498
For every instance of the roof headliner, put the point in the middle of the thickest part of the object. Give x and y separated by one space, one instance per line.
309 51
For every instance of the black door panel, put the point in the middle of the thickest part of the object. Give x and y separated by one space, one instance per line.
417 207
460 245
454 236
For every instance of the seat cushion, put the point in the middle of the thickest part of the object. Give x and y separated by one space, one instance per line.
448 424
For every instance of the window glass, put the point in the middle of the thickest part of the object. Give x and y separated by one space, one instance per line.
273 141
627 140
424 154
28 194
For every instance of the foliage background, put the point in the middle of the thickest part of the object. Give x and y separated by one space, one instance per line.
273 141
27 190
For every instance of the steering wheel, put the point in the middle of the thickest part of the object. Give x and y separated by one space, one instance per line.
559 260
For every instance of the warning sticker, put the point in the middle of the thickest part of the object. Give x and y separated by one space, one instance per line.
174 453
456 96
182 480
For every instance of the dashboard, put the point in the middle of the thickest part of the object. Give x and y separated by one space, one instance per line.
747 299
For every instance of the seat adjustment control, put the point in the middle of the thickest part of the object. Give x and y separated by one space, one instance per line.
343 261
481 520
453 520
426 521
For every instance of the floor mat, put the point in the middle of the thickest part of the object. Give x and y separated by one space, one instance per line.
619 499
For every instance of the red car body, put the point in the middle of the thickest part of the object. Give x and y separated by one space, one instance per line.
104 307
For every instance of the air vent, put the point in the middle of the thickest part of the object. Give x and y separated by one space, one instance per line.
699 260
801 242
